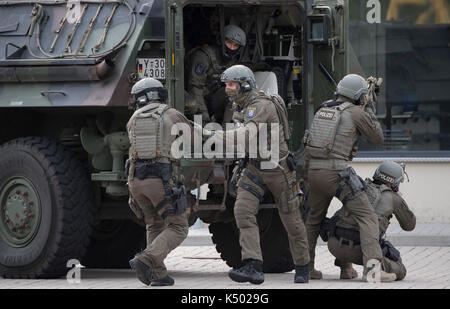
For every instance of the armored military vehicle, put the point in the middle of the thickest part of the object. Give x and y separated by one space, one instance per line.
66 70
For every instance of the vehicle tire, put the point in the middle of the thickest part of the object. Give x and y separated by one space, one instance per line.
45 208
274 242
225 236
113 243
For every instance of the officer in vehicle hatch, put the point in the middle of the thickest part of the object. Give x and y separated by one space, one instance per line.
342 231
329 146
156 195
263 175
204 64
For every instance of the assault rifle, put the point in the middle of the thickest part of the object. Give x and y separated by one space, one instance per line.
374 88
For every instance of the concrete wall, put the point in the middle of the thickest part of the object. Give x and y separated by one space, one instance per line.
427 193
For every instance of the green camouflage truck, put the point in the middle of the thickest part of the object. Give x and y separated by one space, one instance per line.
66 70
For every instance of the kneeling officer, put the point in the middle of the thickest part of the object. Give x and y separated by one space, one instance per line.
154 197
342 230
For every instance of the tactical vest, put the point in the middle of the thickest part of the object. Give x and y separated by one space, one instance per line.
323 141
214 70
145 129
282 113
374 193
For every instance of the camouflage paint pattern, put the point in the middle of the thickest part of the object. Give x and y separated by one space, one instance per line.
31 75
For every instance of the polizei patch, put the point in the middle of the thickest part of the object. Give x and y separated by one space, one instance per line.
387 178
326 114
251 111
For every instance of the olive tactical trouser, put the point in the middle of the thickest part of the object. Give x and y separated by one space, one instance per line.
348 253
246 209
163 235
323 185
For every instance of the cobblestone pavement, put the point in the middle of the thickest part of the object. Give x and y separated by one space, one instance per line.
200 267
425 234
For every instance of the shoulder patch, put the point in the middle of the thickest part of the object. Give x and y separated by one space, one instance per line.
251 111
200 68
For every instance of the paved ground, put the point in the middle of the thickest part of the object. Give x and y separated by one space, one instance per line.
197 265
425 234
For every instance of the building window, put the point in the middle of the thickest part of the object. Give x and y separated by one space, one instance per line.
409 47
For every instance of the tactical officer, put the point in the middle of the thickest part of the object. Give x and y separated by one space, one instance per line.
329 146
156 196
204 66
261 176
343 231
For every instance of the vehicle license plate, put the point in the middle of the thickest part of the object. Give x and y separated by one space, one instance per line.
152 67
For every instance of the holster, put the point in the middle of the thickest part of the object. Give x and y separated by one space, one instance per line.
291 162
389 251
179 199
327 228
232 187
173 196
350 185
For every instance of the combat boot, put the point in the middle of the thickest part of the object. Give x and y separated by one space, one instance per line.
301 274
166 281
348 272
143 272
314 273
374 267
388 277
251 272
384 277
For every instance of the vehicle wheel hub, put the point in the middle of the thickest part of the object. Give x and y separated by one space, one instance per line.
19 212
